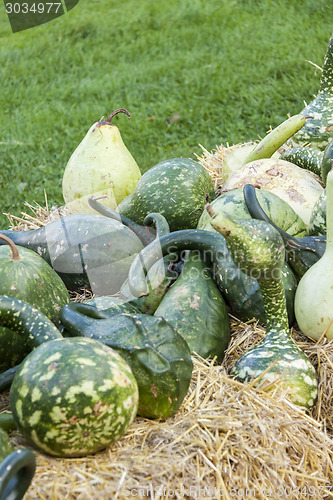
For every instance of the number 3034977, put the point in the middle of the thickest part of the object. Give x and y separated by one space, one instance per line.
308 491
35 8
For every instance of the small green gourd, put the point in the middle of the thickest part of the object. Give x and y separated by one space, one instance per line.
258 249
314 294
304 157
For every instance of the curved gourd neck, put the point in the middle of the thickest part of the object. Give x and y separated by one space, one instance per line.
275 307
329 212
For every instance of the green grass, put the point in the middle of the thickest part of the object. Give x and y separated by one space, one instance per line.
229 69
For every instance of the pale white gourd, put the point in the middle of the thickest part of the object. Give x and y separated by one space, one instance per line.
314 295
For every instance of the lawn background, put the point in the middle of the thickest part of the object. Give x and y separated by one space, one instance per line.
190 72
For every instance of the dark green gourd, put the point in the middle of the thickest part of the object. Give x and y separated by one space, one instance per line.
319 126
177 188
258 248
241 292
84 249
301 253
17 469
158 356
196 309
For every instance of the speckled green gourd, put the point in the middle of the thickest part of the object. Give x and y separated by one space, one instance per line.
196 309
25 275
232 203
258 249
72 397
158 356
304 157
301 253
177 188
317 224
241 292
84 249
318 128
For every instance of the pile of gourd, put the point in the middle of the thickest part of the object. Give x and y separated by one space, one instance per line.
167 256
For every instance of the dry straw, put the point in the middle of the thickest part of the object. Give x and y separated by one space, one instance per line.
227 440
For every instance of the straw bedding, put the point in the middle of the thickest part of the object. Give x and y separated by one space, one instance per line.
226 441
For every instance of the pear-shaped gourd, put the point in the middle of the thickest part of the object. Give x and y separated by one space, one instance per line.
318 128
100 165
314 295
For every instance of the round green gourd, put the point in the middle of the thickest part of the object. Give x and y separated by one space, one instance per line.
26 276
177 188
72 397
259 249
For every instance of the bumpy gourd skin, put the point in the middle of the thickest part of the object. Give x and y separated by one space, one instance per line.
258 248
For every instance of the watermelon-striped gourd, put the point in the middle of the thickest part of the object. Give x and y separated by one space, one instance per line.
72 397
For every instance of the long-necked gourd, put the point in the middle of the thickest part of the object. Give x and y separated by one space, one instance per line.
314 295
241 292
301 253
318 128
258 249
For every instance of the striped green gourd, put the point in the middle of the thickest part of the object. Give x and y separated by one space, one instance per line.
318 128
258 249
69 397
17 469
177 188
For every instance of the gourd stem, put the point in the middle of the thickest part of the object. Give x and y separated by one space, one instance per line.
114 113
13 247
275 305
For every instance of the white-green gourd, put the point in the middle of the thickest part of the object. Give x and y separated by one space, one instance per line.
314 294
